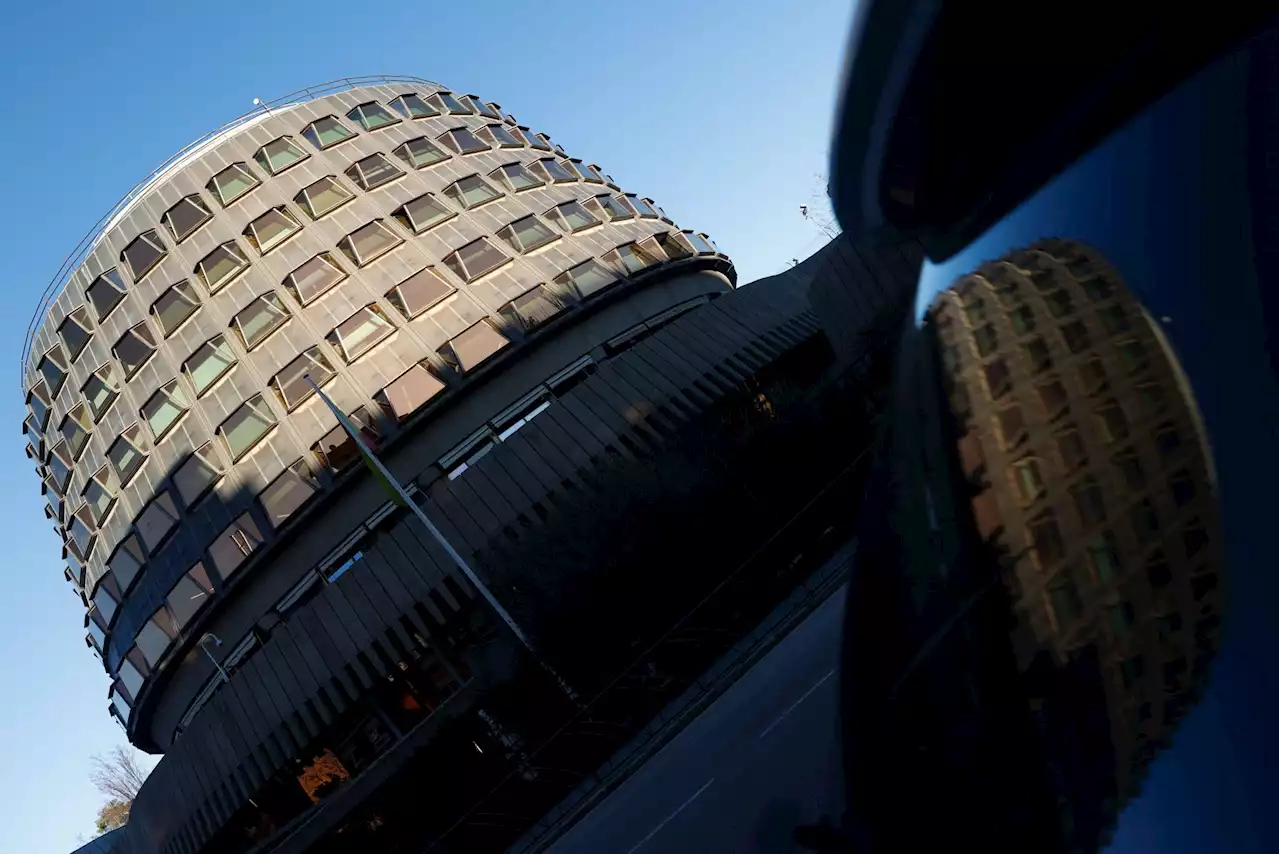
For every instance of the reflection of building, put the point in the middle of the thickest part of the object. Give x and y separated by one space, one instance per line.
1098 482
507 326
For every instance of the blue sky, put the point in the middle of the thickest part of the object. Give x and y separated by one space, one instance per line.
719 110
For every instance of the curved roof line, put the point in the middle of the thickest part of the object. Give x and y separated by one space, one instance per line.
90 240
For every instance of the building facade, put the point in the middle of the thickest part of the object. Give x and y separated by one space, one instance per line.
504 322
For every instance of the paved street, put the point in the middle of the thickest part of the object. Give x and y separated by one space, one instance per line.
760 760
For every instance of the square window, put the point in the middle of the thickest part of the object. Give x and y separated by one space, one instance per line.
189 595
101 390
474 346
1059 303
185 217
279 154
527 234
1010 426
552 171
127 560
373 171
996 376
174 306
481 108
409 392
1104 556
198 473
419 292
1075 336
291 384
1097 289
369 242
153 638
1114 319
128 453
462 141
642 207
516 177
288 492
1038 355
53 368
259 319
76 428
1093 376
471 192
164 409
232 183
336 449
314 278
209 363
245 427
322 197
271 229
134 348
502 137
221 265
99 494
156 521
1046 539
584 171
326 132
572 216
143 254
422 213
105 293
372 116
1065 599
475 259
1087 496
449 104
1027 479
358 334
412 106
1133 355
1130 469
1053 397
588 278
421 153
229 551
75 332
1112 422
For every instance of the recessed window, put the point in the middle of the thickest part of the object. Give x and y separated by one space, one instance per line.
241 539
1065 599
232 183
134 348
572 216
209 363
996 376
221 265
279 154
1093 376
165 408
422 213
471 192
185 217
411 106
536 306
550 170
198 473
105 293
76 332
587 278
540 141
314 278
38 402
1059 303
409 392
1046 539
462 141
1026 477
290 384
449 104
1023 319
153 638
101 390
271 229
336 449
420 153
372 116
1112 422
245 427
189 595
156 521
143 254
373 171
475 345
1097 289
1130 468
1133 355
527 234
105 599
1114 319
99 494
700 243
82 530
128 453
1145 521
259 319
322 197
419 292
1087 496
288 492
472 261
1075 336
369 242
498 135
1053 397
174 306
358 334
1038 355
984 340
632 258
131 674
584 171
516 177
126 561
614 208
327 132
481 107
53 367
60 462
1182 487
642 206
76 428
1167 441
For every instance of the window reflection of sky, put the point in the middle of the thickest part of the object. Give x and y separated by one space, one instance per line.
1164 199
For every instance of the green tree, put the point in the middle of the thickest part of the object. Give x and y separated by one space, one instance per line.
119 776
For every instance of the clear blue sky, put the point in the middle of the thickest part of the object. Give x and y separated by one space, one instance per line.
719 110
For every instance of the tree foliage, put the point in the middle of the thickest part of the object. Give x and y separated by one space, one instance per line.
113 814
119 776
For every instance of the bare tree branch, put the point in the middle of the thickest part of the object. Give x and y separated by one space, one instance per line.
118 775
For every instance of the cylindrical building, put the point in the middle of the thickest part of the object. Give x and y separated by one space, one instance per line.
446 275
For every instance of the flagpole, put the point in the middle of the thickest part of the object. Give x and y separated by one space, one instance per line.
405 500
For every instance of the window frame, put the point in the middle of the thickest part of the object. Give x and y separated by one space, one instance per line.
137 444
242 168
111 384
195 200
556 216
406 111
299 475
251 229
511 236
317 358
455 192
110 279
173 393
179 289
459 267
396 297
502 175
131 370
159 500
269 298
305 202
347 245
264 160
366 343
312 135
404 152
162 252
356 172
450 140
403 215
73 352
362 119
232 249
222 432
187 368
290 281
206 456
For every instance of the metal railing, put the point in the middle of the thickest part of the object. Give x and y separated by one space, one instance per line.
90 240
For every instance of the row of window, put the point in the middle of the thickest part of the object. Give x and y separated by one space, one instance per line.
351 339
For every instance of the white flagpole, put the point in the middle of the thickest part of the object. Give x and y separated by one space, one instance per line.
407 501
